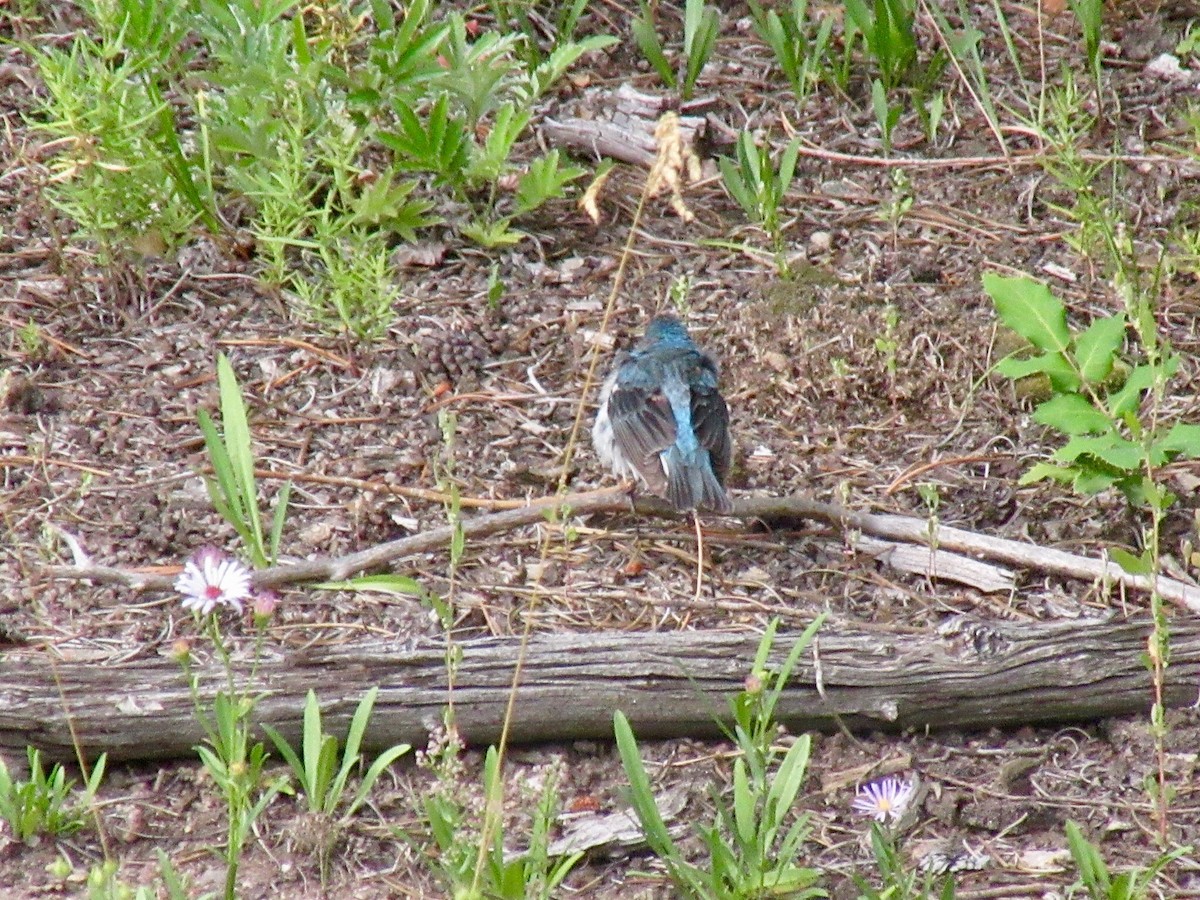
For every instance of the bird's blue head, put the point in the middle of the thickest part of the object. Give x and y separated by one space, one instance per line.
667 330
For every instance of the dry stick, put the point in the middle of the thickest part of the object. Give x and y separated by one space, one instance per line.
396 490
1030 158
908 528
616 500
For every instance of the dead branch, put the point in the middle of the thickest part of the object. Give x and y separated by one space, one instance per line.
614 500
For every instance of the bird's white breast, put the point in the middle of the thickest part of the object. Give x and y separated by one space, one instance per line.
604 440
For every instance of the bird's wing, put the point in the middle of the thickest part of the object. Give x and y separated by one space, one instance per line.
710 418
642 423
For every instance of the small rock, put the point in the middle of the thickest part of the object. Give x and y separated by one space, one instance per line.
1166 66
820 242
777 361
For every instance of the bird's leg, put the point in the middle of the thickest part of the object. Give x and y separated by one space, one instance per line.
699 555
632 489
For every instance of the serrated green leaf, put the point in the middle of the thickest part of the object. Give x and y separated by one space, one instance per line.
1096 348
1015 368
1117 451
1042 471
1126 400
1054 365
1028 308
1092 480
1071 414
1134 565
1183 439
492 234
564 56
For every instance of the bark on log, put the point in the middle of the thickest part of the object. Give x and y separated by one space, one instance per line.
968 675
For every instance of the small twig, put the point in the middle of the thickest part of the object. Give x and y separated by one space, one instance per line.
918 470
11 462
1030 158
396 490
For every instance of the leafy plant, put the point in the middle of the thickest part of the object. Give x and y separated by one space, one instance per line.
887 114
321 777
1096 397
104 118
104 882
233 489
236 767
799 49
1096 404
1100 884
484 80
319 774
899 879
472 871
45 803
701 25
276 111
234 761
1090 15
753 851
963 50
537 30
759 184
887 32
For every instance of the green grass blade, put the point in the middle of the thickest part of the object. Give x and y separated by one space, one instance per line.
237 443
277 521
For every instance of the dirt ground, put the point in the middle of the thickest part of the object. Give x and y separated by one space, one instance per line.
98 436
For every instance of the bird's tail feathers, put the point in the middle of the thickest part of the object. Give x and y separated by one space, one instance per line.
691 482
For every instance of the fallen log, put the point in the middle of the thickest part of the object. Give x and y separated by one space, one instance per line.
969 674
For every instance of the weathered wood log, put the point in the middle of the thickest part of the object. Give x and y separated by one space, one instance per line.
969 675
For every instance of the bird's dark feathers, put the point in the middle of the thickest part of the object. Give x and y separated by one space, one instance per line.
639 425
643 424
710 419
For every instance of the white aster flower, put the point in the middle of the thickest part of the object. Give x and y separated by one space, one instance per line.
211 579
885 798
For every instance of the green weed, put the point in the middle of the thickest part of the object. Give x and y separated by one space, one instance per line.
322 772
285 116
800 46
701 26
233 489
759 184
45 803
1100 884
755 840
